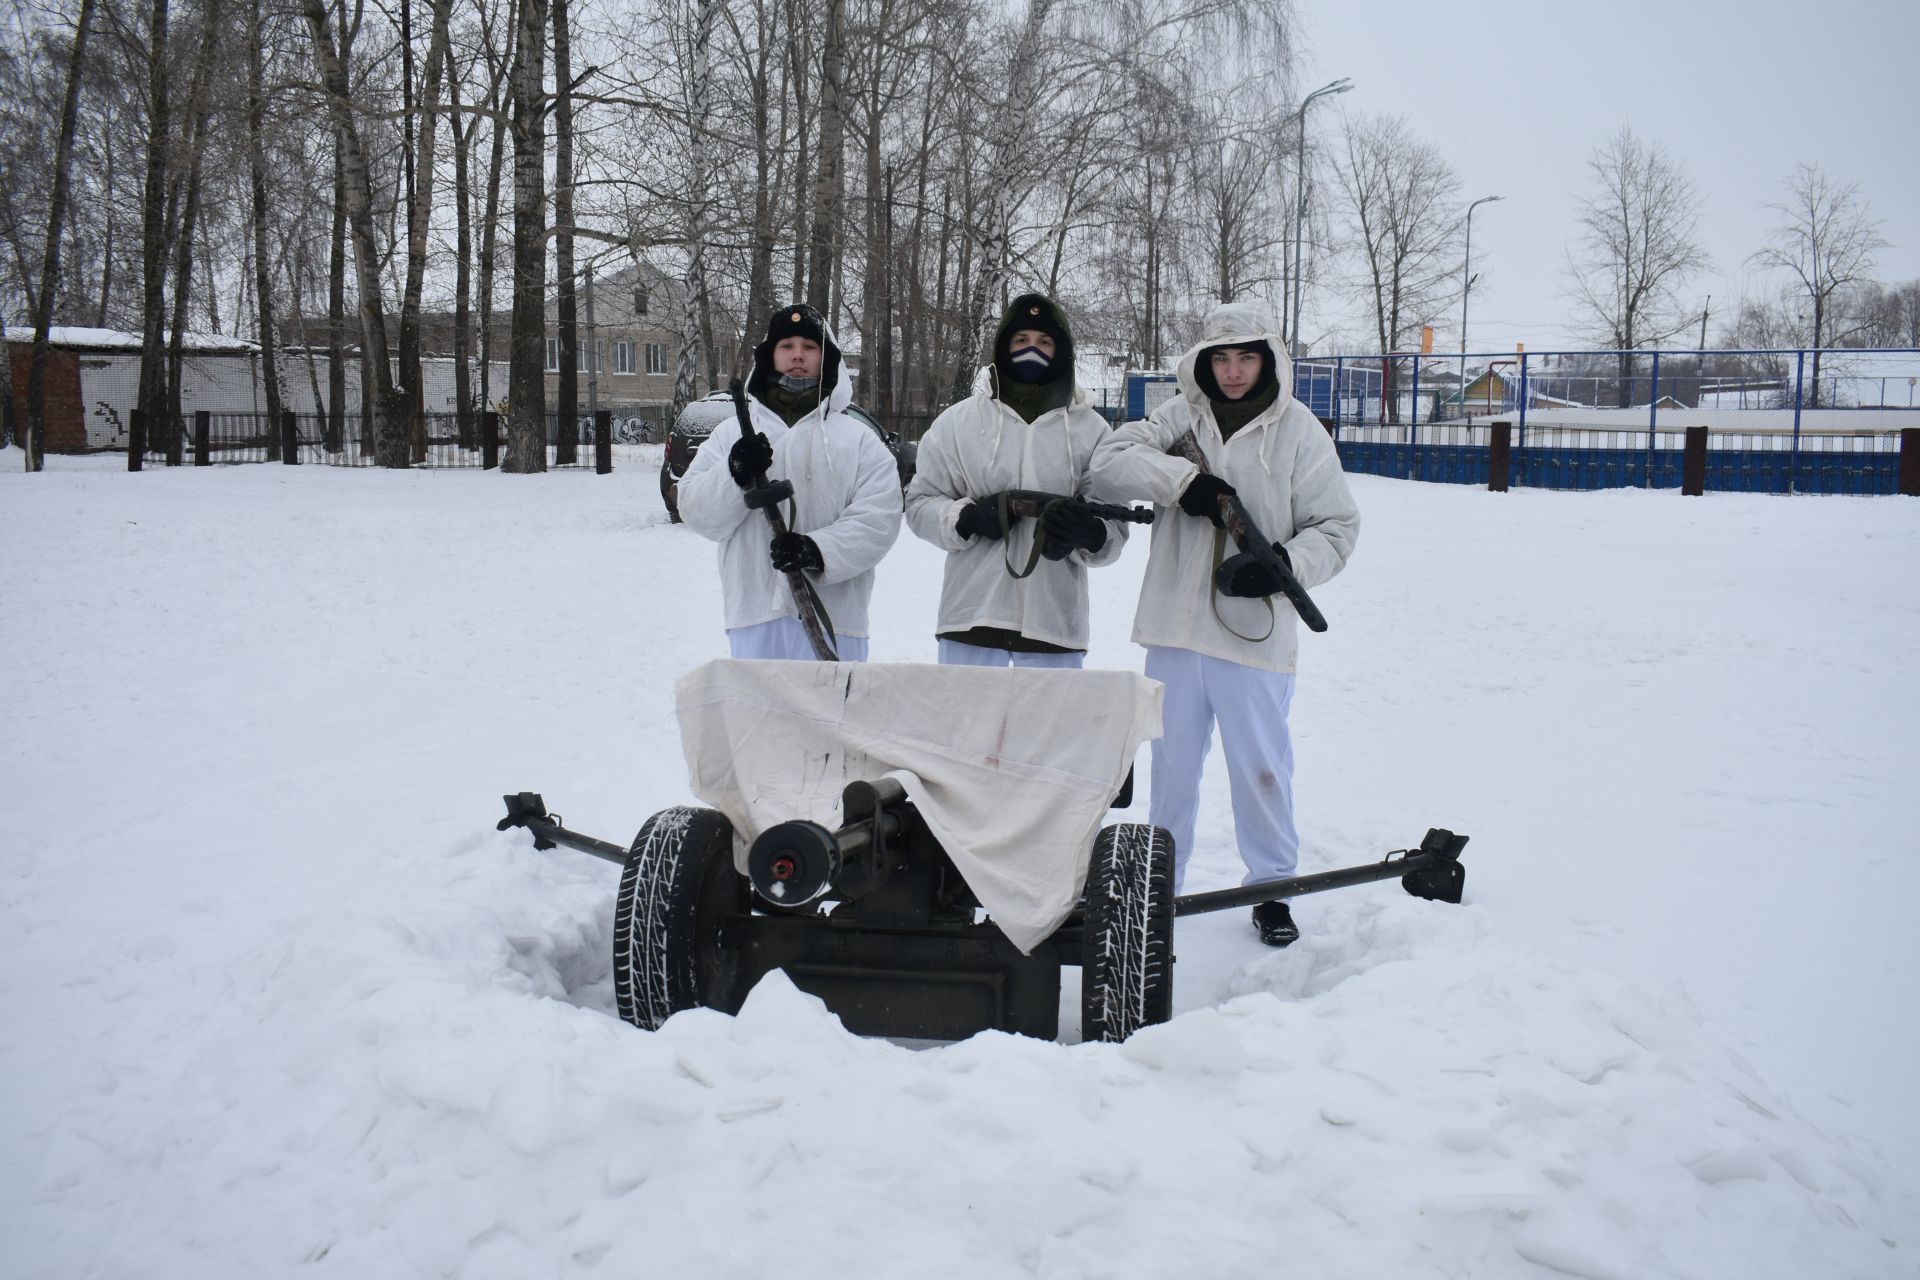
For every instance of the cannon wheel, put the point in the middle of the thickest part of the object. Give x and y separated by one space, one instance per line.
678 887
1126 963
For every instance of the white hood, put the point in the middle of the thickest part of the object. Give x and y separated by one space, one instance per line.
1237 324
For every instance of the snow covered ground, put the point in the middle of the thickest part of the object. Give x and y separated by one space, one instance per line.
276 999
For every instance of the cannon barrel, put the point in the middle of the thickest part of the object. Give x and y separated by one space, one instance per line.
795 863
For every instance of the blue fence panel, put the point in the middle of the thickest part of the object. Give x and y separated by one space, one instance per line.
1778 421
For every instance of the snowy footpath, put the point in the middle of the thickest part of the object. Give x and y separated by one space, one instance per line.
277 1000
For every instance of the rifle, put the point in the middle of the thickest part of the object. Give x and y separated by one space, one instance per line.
766 497
1253 544
1033 503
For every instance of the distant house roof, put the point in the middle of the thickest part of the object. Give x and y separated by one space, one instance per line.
83 339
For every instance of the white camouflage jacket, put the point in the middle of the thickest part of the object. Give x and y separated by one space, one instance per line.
1286 471
846 498
977 448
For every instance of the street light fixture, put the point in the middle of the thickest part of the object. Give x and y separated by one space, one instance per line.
1300 187
1466 288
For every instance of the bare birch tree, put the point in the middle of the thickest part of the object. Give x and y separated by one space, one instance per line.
686 372
391 446
1399 196
1826 240
257 190
526 380
153 239
1638 246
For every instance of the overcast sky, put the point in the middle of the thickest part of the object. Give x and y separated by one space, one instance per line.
1518 96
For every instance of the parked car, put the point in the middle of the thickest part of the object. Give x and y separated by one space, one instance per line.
697 421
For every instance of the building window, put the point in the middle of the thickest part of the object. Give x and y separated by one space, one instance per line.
640 300
553 356
656 357
623 357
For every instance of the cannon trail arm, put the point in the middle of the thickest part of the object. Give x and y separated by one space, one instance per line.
1432 871
527 809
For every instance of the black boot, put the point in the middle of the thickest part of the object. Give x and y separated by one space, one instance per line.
1273 921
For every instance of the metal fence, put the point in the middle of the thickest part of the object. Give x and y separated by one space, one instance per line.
439 440
1776 421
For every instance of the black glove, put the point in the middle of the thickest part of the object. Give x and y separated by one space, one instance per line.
1070 526
1202 496
981 519
749 458
1255 578
792 552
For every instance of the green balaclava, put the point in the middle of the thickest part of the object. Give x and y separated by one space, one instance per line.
1027 382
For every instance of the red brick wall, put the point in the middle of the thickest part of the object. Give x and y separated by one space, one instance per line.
66 414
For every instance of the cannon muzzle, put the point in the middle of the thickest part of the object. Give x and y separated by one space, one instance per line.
794 863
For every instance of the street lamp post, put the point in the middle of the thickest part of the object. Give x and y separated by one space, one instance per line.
1300 189
1466 288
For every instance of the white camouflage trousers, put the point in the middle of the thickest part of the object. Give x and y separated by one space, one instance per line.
1251 708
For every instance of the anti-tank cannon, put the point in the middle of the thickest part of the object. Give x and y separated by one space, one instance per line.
902 927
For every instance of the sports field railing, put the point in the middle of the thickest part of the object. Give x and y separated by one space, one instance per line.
1797 421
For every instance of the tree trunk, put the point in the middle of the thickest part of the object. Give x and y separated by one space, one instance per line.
829 188
336 427
797 72
463 261
490 232
198 107
257 174
567 414
419 217
699 211
389 427
153 239
873 272
526 383
50 265
106 251
760 252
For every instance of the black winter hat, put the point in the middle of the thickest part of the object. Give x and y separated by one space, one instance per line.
1203 371
1034 311
796 321
1031 311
